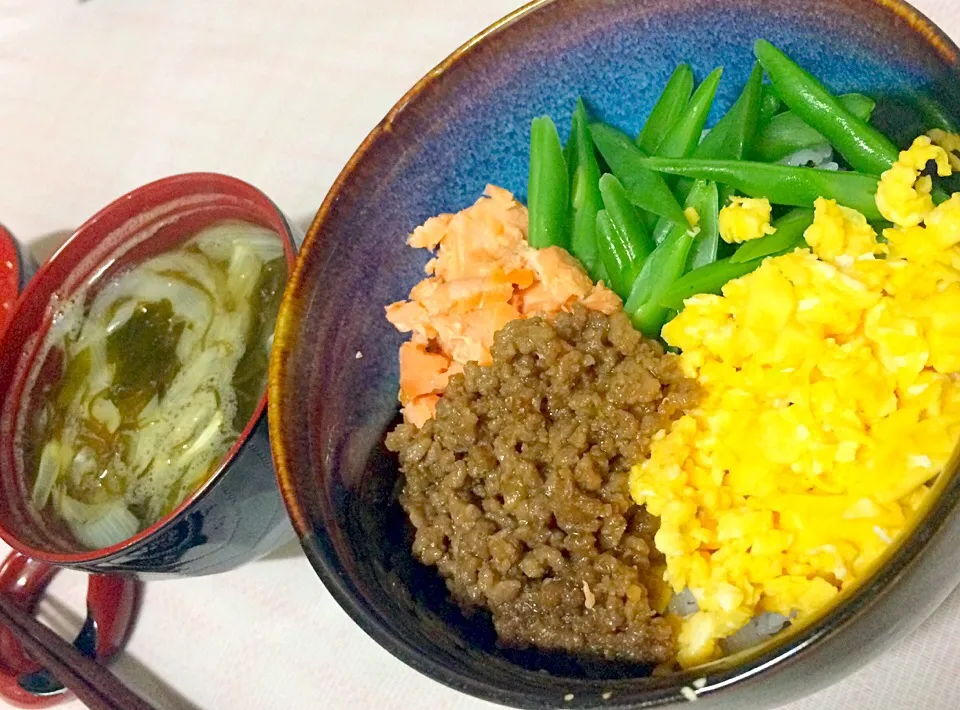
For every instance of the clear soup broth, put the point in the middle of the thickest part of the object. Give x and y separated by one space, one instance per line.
160 370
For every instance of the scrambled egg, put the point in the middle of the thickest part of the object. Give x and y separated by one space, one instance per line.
832 401
950 142
841 235
904 197
745 218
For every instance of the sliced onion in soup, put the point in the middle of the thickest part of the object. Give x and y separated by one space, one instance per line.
98 526
47 473
217 242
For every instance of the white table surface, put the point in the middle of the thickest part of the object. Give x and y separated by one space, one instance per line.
101 96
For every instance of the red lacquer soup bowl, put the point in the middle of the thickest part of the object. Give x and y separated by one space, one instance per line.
237 514
16 267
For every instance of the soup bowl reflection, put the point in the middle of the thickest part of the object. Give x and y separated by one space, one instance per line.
334 374
236 515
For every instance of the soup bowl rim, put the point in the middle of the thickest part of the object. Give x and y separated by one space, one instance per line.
182 184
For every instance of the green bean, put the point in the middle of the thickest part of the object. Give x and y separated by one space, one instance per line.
730 139
614 257
789 235
667 110
584 192
623 241
663 267
705 199
734 134
570 156
663 225
608 251
548 189
707 279
697 200
684 135
624 215
862 145
781 184
905 115
645 188
770 104
934 115
787 133
898 116
601 270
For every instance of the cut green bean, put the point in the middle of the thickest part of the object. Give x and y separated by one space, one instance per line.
615 260
705 199
770 104
789 235
645 188
735 133
548 189
584 193
602 274
570 154
730 139
682 138
707 279
934 115
787 133
624 215
609 253
698 200
623 241
668 109
862 145
898 116
663 226
664 266
781 184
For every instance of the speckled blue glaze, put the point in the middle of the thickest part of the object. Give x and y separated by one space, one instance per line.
619 66
467 125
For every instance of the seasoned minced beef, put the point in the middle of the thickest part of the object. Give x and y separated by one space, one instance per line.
518 488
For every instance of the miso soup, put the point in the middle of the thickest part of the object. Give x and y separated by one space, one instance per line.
160 369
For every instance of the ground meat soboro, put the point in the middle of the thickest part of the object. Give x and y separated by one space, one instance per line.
518 490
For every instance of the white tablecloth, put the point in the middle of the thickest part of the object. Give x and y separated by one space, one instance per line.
101 96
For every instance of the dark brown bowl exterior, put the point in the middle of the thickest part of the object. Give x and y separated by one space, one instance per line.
237 515
334 375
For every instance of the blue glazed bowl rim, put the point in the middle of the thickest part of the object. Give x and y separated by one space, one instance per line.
719 675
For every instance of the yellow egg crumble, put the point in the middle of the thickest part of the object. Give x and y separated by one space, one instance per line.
831 401
950 142
745 218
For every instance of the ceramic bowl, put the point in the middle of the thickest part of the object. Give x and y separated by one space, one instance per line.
334 376
237 514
